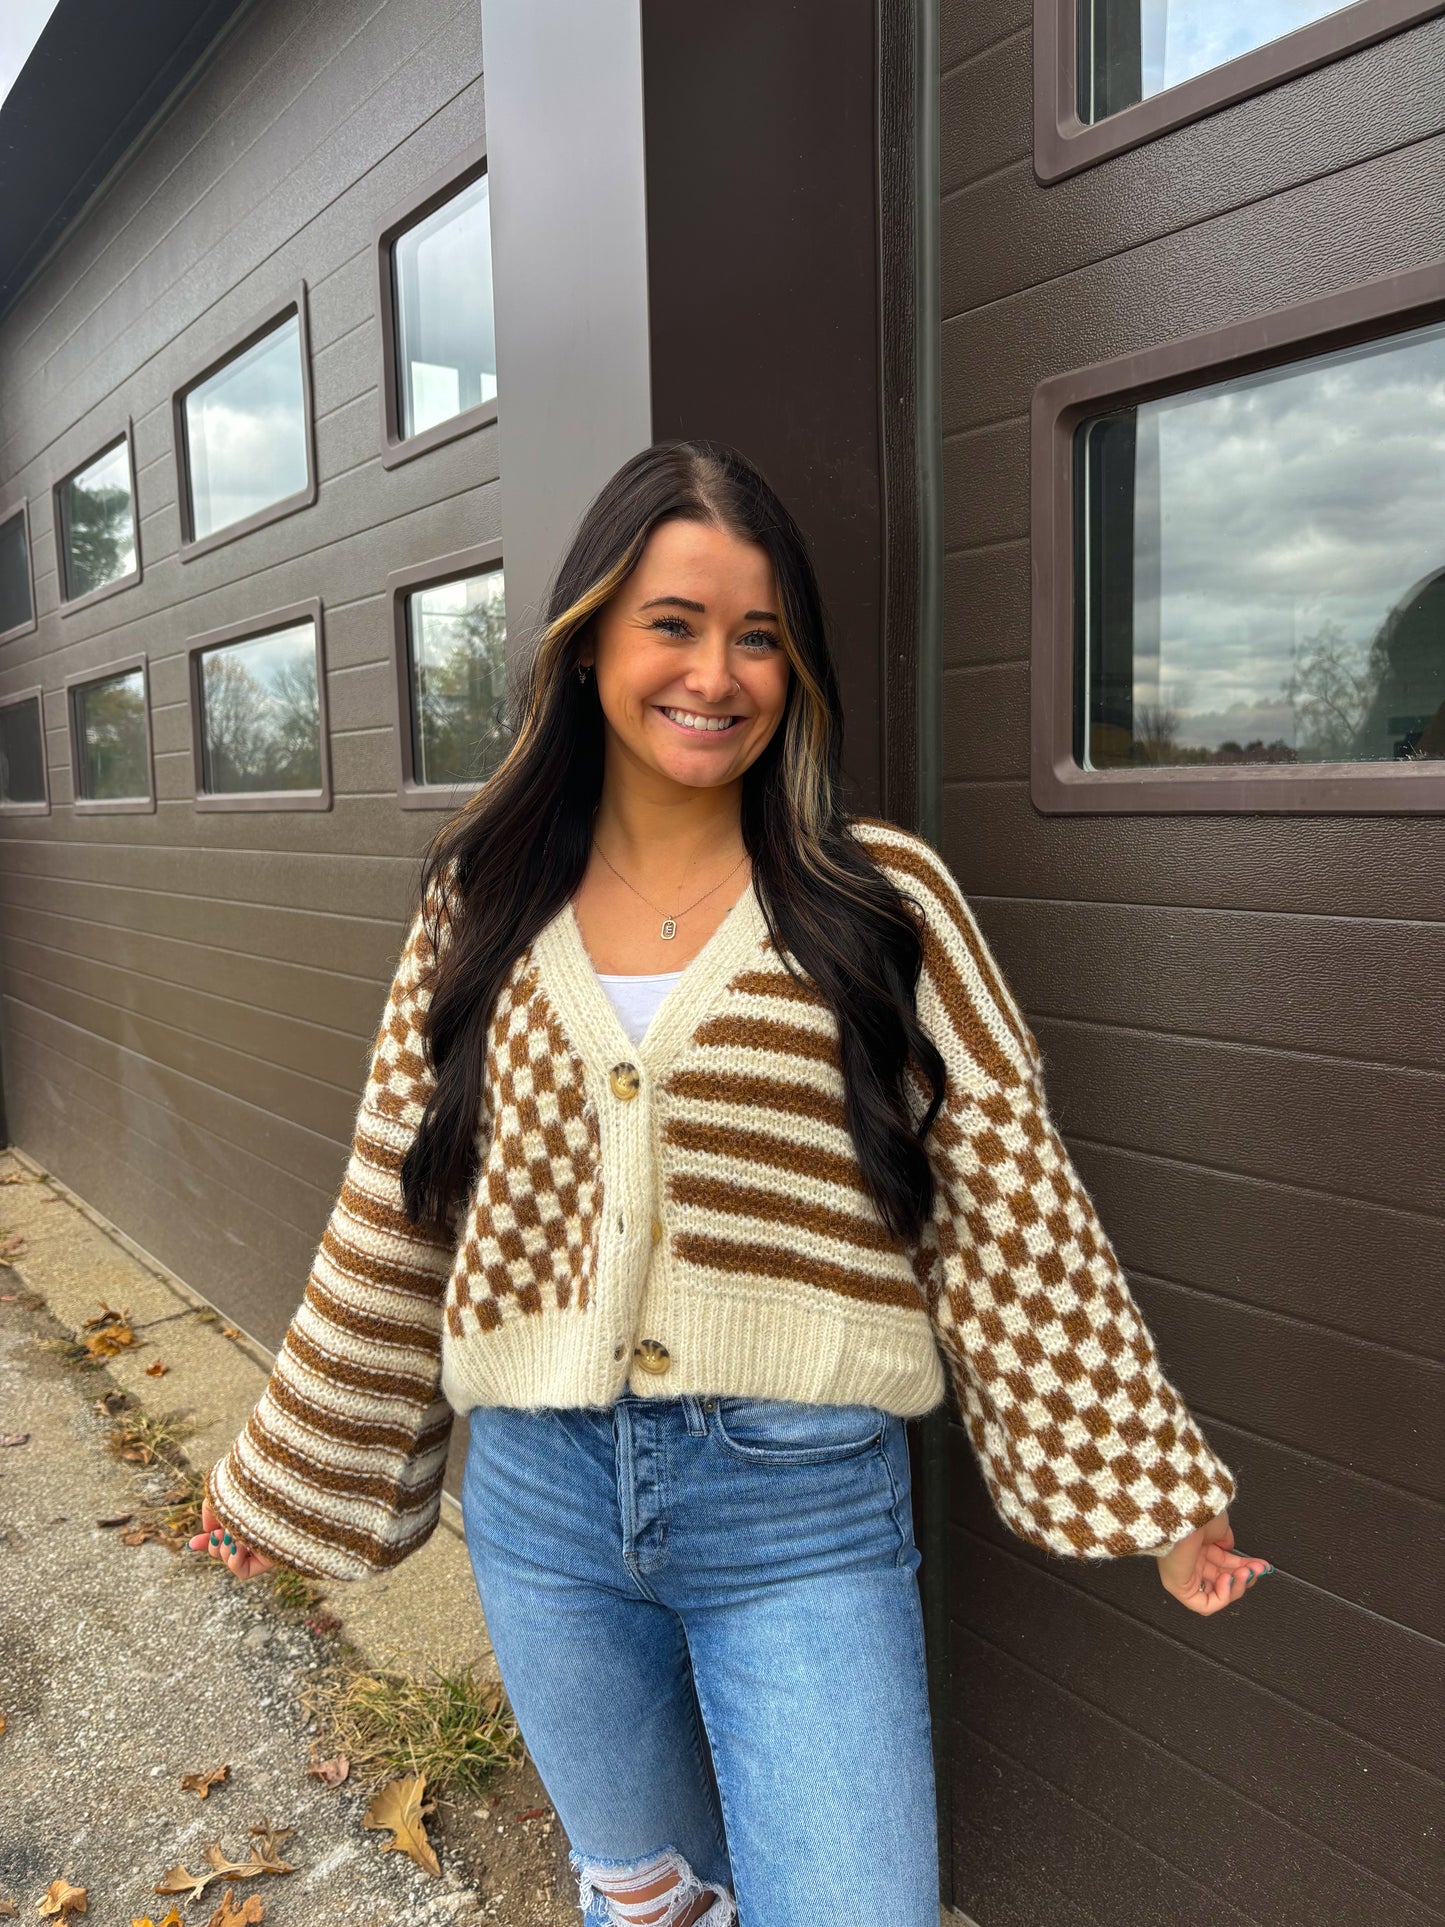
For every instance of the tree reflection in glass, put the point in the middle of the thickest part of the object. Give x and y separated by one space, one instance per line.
457 636
260 714
112 728
99 523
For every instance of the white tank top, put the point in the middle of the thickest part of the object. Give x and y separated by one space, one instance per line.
636 995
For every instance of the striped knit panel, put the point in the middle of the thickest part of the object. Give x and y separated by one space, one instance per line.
762 1182
1086 1448
338 1471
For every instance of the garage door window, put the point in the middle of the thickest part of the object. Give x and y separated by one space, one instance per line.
1110 74
110 739
1241 597
451 674
439 347
17 594
258 697
243 433
95 527
22 754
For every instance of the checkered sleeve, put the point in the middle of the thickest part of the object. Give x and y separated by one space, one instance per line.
1086 1448
338 1471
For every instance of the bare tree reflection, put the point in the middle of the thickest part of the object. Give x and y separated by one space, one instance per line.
262 732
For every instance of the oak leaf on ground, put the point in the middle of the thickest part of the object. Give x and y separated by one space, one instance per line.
62 1900
399 1806
251 1910
201 1783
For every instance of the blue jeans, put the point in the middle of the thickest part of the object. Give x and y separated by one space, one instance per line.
706 1616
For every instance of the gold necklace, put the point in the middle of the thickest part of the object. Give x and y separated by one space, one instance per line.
669 924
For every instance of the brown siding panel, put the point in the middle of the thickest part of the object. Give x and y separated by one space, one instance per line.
1240 1024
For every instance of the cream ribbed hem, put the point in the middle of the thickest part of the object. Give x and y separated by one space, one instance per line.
728 1343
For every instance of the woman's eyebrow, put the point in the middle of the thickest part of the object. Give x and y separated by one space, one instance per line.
682 602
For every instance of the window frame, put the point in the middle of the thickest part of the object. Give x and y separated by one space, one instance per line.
42 806
464 168
1367 311
1064 144
259 625
236 343
17 502
482 558
104 805
68 603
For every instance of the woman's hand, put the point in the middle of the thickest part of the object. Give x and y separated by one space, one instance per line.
1203 1571
214 1538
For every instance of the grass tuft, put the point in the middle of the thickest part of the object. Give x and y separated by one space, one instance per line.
454 1726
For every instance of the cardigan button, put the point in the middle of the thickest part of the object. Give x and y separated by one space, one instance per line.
624 1080
652 1355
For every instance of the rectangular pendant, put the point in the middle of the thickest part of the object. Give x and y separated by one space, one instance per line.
669 929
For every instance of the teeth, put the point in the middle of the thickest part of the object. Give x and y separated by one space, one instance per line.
691 721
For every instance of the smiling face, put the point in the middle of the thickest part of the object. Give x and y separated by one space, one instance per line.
691 671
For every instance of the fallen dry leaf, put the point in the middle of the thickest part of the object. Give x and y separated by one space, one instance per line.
11 1247
109 1403
8 1907
178 1881
228 1914
13 1438
17 1177
172 1919
267 1845
231 1331
117 1519
399 1806
110 1331
2 1722
156 1370
333 1772
202 1783
62 1900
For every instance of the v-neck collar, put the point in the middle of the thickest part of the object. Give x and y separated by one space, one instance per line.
588 1014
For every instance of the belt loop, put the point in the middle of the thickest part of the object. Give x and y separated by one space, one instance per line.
693 1412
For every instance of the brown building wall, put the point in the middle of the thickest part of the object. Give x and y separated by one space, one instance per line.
1240 1022
189 996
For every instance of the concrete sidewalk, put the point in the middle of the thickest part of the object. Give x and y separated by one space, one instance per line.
124 1667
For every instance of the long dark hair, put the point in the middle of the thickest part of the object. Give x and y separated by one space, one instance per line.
505 864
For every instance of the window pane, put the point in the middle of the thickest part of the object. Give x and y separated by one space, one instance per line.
99 523
1130 49
246 432
446 341
14 574
1261 566
22 766
457 668
110 721
260 713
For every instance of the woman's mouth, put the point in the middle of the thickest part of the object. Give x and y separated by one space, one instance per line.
693 723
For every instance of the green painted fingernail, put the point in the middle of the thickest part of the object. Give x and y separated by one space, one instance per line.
227 1540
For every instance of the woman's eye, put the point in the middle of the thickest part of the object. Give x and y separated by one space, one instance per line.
677 625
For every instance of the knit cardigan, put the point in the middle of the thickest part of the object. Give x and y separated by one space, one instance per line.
687 1214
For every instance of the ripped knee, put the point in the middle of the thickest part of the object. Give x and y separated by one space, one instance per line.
660 1890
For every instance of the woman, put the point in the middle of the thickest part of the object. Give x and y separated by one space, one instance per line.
761 1154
